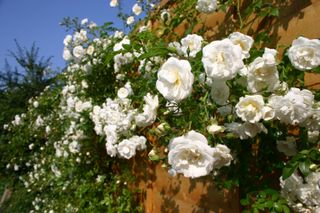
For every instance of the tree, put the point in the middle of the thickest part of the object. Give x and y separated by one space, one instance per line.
19 84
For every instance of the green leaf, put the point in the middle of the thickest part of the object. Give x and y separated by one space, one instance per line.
154 157
285 209
288 170
156 51
244 202
274 12
304 168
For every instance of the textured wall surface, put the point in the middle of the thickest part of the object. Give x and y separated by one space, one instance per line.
163 193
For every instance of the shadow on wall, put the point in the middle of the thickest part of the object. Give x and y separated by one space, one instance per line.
295 18
164 193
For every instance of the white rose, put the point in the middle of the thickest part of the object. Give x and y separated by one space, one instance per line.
220 92
191 155
149 114
206 6
191 44
123 93
175 79
302 194
304 53
263 73
127 149
222 59
118 34
74 147
67 40
244 41
39 121
221 155
268 113
293 108
136 9
118 46
114 3
130 20
140 142
111 149
246 130
66 54
250 108
80 37
78 52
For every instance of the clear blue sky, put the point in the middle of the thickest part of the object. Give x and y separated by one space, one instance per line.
37 21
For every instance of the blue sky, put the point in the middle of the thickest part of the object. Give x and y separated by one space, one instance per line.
37 21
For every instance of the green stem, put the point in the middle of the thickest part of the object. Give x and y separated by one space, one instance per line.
239 14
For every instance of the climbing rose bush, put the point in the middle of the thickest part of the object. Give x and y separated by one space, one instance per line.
200 107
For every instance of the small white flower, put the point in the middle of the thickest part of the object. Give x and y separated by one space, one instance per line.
244 41
84 21
136 9
74 147
191 44
84 84
123 93
111 149
175 79
5 126
304 53
215 128
206 6
114 3
222 59
118 46
55 170
165 15
250 108
118 34
90 50
67 40
130 20
48 129
35 104
39 121
67 54
127 149
17 120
